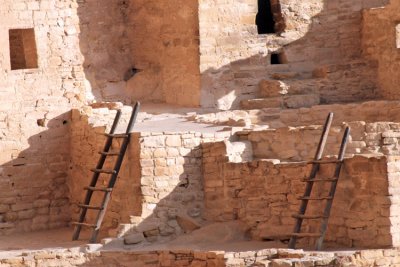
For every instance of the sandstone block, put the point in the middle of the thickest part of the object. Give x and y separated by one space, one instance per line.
186 223
271 88
135 238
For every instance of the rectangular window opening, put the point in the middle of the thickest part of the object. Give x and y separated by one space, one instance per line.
278 58
398 35
23 52
269 18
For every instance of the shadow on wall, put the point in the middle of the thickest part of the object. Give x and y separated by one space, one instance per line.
140 50
330 51
328 57
34 193
105 47
156 186
170 188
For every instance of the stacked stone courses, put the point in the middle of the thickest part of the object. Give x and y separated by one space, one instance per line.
230 120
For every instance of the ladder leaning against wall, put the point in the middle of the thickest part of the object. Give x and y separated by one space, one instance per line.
306 198
113 173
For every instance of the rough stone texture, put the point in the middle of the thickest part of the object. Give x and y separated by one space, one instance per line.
160 178
169 258
35 106
378 22
300 143
318 35
164 43
370 111
264 195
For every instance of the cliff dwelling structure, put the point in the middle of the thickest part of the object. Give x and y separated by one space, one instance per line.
234 96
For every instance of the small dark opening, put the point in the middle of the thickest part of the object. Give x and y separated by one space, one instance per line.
278 58
275 60
265 18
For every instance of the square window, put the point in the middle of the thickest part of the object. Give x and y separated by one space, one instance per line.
23 53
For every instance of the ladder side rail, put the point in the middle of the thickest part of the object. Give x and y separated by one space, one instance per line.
314 170
117 167
96 175
332 191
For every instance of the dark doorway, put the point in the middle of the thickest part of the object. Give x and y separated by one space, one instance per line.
265 18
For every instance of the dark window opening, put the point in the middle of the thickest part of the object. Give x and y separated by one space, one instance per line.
269 18
23 53
278 58
265 19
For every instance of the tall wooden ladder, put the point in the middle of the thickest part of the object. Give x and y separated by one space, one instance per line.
101 209
324 217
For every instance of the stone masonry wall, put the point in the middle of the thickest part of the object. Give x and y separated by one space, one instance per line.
296 144
104 44
188 258
380 22
318 34
264 196
160 179
164 44
369 111
35 115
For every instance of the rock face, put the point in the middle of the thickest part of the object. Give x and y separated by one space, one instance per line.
187 224
133 239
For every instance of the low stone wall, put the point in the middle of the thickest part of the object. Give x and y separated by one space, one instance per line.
295 144
172 258
370 111
159 187
265 196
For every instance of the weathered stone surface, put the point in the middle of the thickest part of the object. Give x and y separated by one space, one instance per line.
133 239
187 223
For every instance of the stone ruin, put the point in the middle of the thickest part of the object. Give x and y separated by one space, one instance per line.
234 95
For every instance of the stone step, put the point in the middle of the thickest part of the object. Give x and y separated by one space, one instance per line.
285 101
272 88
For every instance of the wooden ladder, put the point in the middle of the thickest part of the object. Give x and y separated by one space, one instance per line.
310 182
99 170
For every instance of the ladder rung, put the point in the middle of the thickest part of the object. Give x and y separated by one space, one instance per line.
84 224
315 198
116 135
328 161
311 217
90 207
306 234
320 180
104 171
110 153
103 189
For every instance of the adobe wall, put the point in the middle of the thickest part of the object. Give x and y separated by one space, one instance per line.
234 58
152 36
105 47
189 258
160 179
369 111
264 196
35 108
164 43
296 144
380 22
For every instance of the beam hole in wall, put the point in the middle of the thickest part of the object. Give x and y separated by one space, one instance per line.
23 53
278 58
398 35
269 18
